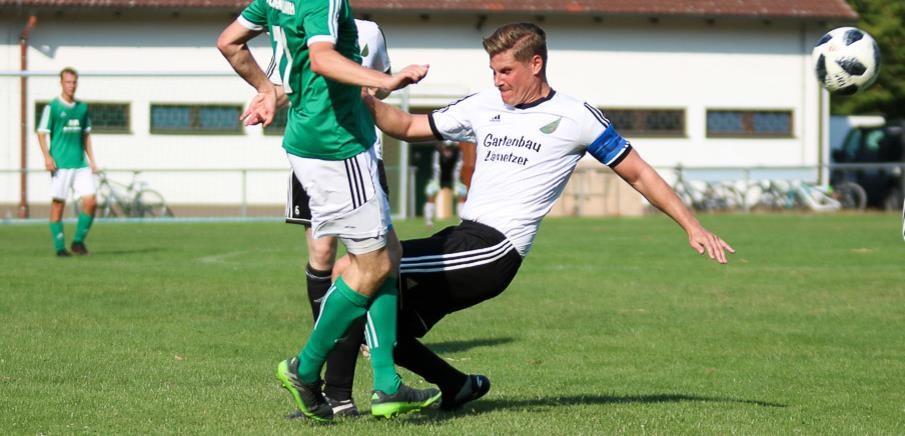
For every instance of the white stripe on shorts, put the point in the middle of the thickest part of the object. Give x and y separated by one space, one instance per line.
454 261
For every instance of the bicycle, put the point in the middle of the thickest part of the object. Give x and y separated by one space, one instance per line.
794 194
134 200
850 194
708 196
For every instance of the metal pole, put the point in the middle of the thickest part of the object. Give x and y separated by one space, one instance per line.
823 102
23 117
404 150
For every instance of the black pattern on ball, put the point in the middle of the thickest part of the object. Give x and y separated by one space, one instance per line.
824 40
876 55
852 66
852 36
847 90
821 69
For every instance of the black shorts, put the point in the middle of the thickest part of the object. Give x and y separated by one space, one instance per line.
297 210
455 268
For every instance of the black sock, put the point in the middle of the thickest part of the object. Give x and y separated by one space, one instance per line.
414 356
318 284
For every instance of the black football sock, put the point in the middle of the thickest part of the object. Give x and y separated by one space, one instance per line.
318 285
340 374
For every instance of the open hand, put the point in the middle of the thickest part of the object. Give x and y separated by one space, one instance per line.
261 109
703 241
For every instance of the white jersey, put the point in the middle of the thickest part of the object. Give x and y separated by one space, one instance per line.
373 47
525 155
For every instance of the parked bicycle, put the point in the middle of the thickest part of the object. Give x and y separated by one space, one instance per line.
708 196
133 200
785 194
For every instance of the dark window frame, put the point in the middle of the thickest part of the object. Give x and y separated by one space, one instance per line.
195 120
639 117
748 131
280 121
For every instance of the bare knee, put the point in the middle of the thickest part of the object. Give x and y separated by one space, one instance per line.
56 210
366 273
321 252
89 204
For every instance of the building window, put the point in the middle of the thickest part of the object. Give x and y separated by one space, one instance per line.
196 119
648 122
109 117
105 117
741 123
278 126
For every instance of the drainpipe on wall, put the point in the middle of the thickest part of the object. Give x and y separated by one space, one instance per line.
23 116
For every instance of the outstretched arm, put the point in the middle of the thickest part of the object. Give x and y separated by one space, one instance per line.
634 170
328 62
398 123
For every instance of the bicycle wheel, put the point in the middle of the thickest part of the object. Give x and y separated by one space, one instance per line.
851 195
106 202
150 204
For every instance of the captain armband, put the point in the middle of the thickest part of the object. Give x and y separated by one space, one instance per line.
610 147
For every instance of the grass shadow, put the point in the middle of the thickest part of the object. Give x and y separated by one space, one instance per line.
544 404
126 251
459 346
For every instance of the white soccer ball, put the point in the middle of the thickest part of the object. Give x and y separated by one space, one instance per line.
846 60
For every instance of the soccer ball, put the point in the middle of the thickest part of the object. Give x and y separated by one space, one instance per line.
846 60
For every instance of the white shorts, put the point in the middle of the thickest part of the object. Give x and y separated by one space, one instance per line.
80 180
346 200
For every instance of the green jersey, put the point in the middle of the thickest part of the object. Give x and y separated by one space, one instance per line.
327 119
67 124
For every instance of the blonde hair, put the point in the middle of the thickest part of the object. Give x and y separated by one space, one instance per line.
68 70
524 39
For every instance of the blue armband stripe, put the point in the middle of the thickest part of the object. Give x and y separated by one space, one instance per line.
608 146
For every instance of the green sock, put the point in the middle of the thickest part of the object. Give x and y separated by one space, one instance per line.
340 308
380 332
56 231
84 224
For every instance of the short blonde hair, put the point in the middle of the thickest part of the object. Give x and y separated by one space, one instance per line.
68 70
524 39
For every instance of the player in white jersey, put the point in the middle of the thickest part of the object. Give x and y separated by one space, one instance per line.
529 140
340 372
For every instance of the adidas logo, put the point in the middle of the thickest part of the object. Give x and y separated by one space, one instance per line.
496 118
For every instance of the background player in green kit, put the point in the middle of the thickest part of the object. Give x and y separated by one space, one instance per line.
68 124
329 142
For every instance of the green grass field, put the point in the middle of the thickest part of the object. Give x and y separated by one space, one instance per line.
612 326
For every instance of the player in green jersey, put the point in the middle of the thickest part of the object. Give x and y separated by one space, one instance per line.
329 142
67 122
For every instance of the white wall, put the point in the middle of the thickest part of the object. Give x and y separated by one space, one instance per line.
678 64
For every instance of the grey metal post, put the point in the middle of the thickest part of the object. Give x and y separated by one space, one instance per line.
404 150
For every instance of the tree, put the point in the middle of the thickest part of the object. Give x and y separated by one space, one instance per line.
885 20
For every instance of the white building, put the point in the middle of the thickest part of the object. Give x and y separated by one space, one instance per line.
692 82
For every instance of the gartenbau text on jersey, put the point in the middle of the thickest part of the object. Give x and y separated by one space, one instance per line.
506 141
